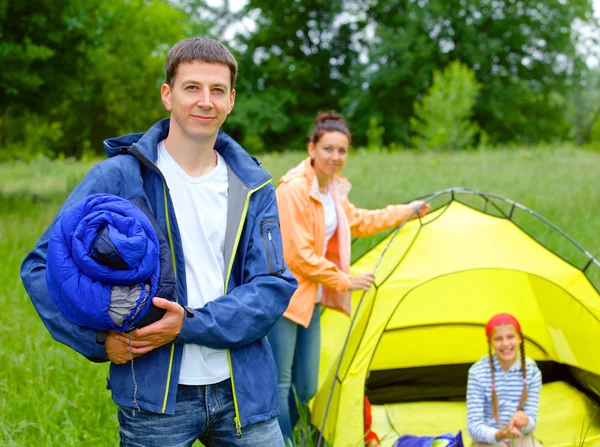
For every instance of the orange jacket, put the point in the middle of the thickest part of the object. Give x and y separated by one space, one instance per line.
303 231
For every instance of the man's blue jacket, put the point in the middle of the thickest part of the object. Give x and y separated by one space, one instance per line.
258 284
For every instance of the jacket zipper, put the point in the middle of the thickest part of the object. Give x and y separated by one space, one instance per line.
168 219
272 245
138 154
238 421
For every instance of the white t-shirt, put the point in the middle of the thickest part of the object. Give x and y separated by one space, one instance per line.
201 207
331 224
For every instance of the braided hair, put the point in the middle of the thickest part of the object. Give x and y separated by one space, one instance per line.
495 410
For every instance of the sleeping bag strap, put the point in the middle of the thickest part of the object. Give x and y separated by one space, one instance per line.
135 386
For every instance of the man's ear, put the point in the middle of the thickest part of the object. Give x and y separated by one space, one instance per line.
232 101
165 95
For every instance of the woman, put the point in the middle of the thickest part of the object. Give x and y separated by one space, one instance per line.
503 390
317 222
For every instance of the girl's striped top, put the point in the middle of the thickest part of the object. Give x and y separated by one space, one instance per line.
481 424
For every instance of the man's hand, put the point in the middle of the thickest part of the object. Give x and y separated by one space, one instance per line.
520 419
421 206
148 338
117 348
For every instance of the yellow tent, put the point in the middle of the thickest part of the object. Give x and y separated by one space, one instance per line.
438 281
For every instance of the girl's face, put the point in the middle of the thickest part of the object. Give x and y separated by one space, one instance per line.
329 154
506 341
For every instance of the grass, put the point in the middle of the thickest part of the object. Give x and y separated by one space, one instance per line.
51 396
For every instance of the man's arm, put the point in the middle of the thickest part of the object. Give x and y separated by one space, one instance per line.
33 273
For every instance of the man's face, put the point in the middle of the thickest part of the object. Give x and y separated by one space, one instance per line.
199 100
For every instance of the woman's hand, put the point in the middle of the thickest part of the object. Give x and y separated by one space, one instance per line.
421 206
373 443
520 419
362 281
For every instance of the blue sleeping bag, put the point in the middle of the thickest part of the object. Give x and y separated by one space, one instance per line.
103 263
445 440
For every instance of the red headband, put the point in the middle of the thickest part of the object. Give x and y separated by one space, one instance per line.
499 319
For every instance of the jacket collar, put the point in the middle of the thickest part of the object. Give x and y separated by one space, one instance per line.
243 165
305 169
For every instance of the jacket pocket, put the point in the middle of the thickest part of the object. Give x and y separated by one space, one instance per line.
271 237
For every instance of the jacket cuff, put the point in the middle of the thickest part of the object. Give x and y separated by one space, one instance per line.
344 284
186 332
531 423
490 435
99 347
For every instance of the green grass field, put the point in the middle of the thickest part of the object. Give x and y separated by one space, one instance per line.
51 396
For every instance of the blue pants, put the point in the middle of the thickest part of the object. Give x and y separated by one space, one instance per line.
297 352
202 412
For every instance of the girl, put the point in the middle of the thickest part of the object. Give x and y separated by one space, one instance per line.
317 221
503 389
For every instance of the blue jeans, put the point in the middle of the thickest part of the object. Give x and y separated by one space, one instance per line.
297 352
202 412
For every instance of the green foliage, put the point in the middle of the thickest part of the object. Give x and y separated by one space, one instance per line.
520 51
595 134
98 76
296 62
39 41
95 67
583 108
374 134
443 116
36 136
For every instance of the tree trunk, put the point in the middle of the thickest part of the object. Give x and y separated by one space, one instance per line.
586 133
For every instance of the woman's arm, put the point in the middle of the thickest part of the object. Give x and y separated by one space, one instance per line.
365 222
299 240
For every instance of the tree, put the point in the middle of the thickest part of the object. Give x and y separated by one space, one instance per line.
442 116
39 41
82 70
117 89
522 53
295 62
584 107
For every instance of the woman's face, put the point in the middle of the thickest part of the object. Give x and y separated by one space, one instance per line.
329 154
506 341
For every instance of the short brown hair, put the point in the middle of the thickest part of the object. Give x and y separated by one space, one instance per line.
201 49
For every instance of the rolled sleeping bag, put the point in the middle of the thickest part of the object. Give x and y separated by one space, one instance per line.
103 264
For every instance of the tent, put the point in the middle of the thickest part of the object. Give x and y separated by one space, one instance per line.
412 338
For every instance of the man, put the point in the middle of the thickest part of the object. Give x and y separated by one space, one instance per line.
205 369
